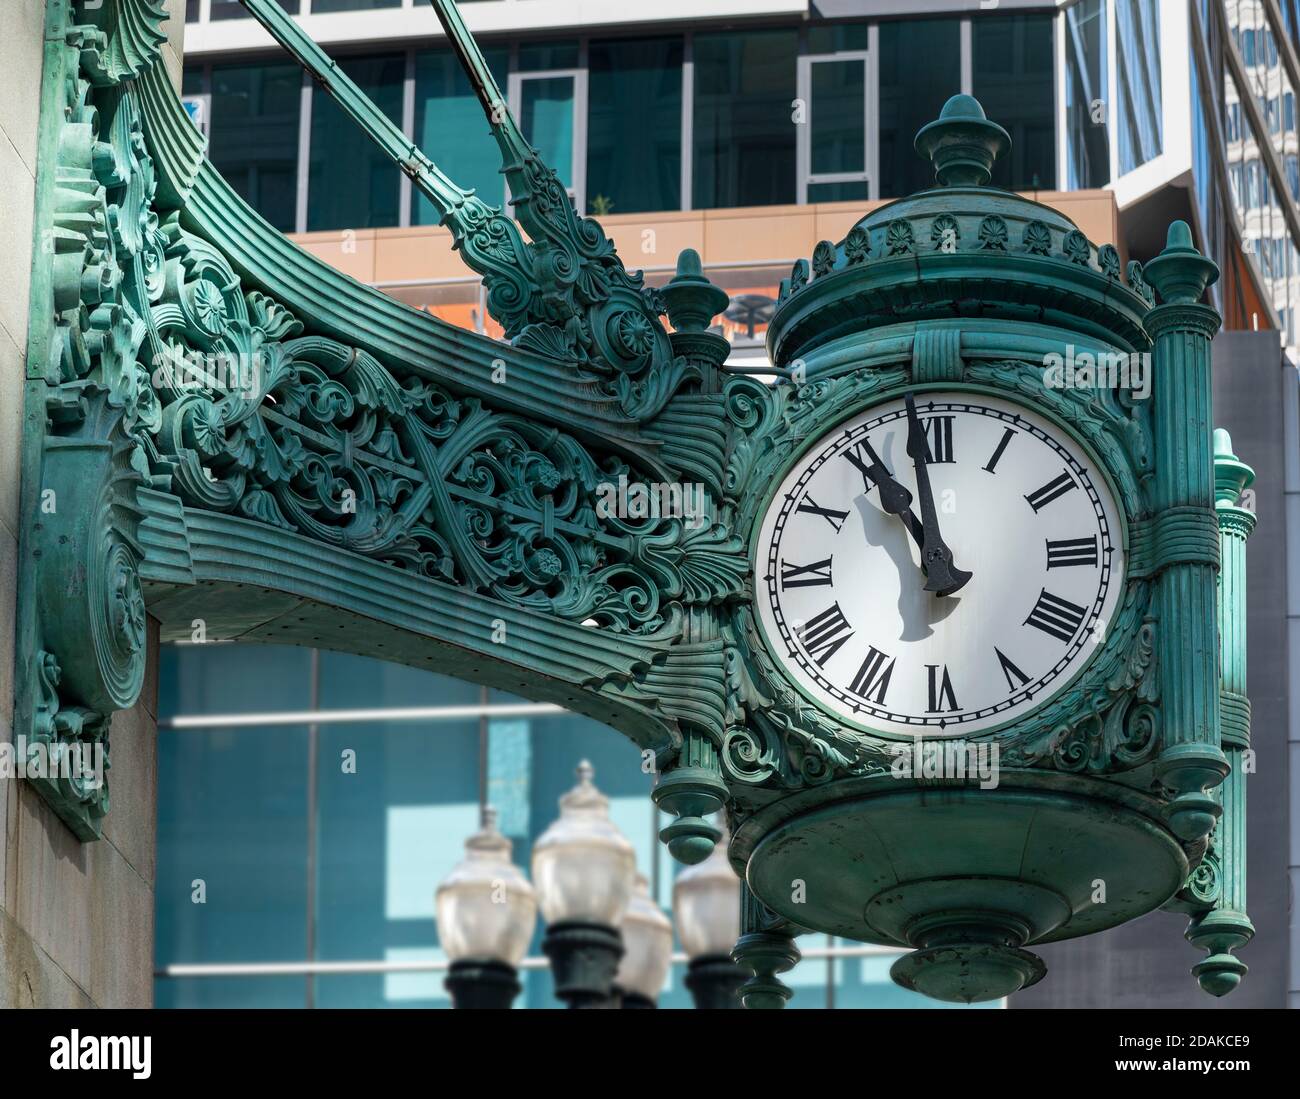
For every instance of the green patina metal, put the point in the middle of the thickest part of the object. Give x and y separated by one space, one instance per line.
385 483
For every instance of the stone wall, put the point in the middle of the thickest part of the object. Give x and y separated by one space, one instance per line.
76 920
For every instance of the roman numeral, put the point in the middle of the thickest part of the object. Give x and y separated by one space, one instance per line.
1056 616
823 635
872 680
938 438
942 699
863 462
835 518
1051 491
992 465
805 576
1015 677
1066 552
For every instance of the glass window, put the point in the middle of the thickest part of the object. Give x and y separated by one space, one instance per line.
325 7
838 37
745 85
548 119
233 9
1086 76
280 844
451 128
1013 80
352 184
540 56
835 129
912 95
1137 37
634 169
232 849
253 136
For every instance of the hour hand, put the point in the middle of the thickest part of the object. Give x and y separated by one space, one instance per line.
894 498
943 577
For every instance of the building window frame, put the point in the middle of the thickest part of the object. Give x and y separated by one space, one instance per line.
805 177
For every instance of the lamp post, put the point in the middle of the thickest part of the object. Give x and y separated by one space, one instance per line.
647 949
584 869
706 908
485 911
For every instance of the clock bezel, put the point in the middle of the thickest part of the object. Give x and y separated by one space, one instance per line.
1123 581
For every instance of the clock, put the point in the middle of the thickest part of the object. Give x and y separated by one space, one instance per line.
940 564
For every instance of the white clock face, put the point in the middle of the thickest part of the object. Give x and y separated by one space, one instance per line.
841 593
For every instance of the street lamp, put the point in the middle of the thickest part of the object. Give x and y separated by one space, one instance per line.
584 869
647 949
486 911
706 908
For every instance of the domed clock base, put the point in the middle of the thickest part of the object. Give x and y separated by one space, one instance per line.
967 877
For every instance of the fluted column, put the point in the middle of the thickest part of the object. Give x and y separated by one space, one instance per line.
1225 926
1191 761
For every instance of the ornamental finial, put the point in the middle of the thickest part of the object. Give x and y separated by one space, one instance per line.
962 143
1180 273
1231 475
691 299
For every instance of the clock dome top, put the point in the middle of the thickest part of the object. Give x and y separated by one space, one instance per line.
962 248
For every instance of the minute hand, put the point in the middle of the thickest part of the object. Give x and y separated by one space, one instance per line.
942 575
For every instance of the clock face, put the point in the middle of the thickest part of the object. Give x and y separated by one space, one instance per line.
840 589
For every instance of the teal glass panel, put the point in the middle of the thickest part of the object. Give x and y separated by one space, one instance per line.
397 802
253 136
837 37
232 815
325 7
233 9
233 679
451 128
540 56
546 117
744 143
634 168
838 117
350 682
850 191
1015 84
913 94
352 185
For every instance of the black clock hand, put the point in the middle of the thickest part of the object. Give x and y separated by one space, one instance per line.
943 577
894 498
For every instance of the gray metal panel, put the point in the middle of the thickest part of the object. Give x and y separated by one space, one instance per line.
1146 964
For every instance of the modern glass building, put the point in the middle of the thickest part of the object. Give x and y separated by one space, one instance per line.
746 109
310 803
747 129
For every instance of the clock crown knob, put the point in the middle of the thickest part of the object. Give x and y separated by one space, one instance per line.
962 143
